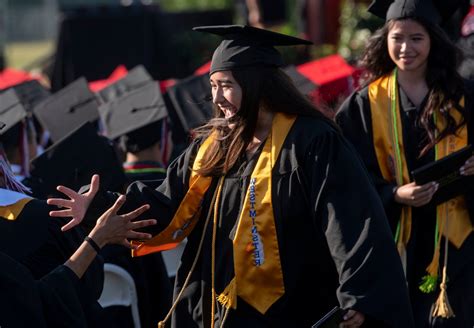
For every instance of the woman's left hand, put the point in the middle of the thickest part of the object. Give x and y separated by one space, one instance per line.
352 319
468 167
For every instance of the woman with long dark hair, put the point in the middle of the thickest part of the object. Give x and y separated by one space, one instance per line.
276 207
412 110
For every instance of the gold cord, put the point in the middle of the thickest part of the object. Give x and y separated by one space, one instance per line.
162 323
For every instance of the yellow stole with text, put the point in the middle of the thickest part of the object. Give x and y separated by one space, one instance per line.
258 273
389 149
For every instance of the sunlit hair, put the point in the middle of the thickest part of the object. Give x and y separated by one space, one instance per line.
7 177
444 82
262 88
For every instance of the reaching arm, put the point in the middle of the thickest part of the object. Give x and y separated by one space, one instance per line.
111 228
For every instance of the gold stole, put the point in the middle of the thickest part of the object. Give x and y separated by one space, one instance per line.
11 204
258 273
388 144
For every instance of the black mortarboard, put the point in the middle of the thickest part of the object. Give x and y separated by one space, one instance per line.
302 83
68 109
30 93
74 159
190 103
12 111
246 46
136 117
135 78
434 11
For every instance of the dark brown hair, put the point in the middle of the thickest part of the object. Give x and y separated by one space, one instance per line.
262 87
445 84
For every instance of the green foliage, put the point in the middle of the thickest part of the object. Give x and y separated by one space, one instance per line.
177 5
357 24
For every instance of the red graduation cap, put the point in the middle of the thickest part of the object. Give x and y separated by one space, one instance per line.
333 76
10 77
118 73
205 68
467 27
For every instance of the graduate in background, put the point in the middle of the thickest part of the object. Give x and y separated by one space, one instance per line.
275 204
137 122
415 109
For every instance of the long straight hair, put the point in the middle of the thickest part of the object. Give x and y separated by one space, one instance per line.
267 88
444 82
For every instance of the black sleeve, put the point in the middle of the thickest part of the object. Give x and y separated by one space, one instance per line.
354 119
351 215
163 200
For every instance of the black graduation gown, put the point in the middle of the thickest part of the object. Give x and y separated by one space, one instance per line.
354 118
35 240
48 302
154 288
334 241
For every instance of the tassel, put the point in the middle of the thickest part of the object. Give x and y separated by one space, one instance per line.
161 324
228 297
429 282
442 307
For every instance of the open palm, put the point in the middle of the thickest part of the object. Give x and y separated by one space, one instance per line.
77 204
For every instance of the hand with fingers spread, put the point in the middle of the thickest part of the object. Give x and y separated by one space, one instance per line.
112 228
412 194
468 167
77 204
352 319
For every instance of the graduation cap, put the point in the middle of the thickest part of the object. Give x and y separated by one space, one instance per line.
12 111
190 103
433 11
67 109
135 78
74 159
304 85
135 117
247 46
30 93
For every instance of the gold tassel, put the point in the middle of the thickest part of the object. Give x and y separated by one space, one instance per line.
433 268
442 307
161 324
228 297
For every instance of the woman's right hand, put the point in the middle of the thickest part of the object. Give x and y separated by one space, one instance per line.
112 228
412 194
77 204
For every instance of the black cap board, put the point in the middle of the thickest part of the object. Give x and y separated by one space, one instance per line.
247 46
302 83
68 109
190 103
12 111
135 78
30 93
74 159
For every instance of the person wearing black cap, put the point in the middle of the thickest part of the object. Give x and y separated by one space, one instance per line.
136 120
414 109
281 220
42 291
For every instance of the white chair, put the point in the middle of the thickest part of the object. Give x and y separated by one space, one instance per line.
119 289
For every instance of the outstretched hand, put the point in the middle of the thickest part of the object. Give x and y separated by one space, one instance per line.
112 228
77 204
